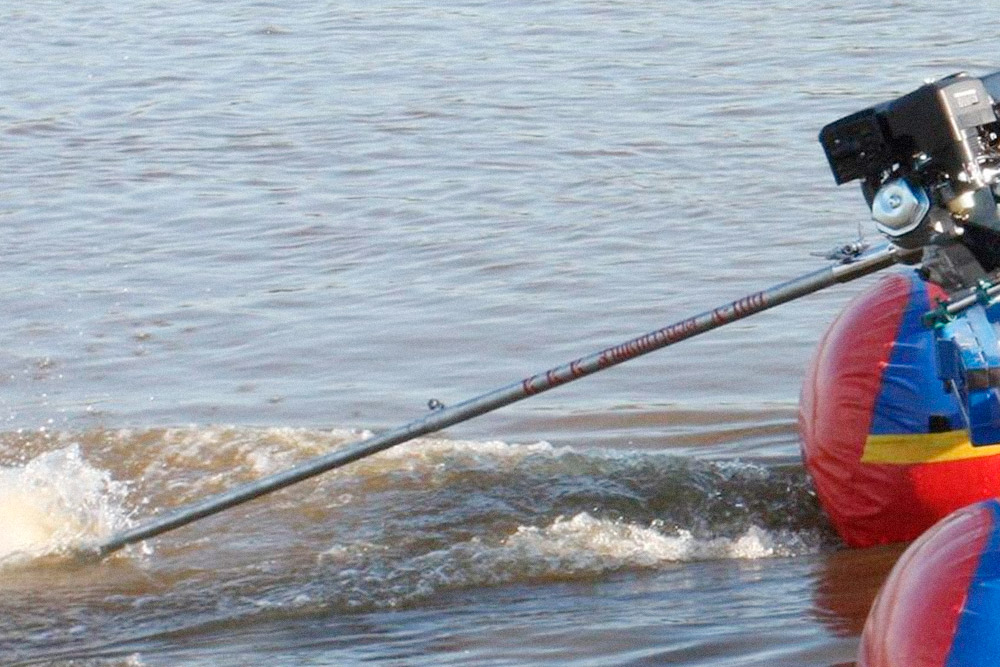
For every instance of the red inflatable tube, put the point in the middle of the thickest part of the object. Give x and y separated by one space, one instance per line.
883 442
940 606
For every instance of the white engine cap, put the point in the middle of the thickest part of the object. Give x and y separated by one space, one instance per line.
899 208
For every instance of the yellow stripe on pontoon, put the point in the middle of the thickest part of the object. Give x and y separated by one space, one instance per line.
908 448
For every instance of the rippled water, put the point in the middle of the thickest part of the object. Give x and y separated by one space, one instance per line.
240 234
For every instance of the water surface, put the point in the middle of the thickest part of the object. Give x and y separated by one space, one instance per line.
241 234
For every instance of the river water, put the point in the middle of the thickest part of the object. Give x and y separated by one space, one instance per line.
240 234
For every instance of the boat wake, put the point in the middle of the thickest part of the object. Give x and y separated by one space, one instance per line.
403 526
576 548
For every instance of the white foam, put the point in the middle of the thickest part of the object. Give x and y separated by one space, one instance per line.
578 547
54 503
252 453
599 543
432 453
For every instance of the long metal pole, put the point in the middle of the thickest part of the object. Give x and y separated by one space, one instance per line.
536 384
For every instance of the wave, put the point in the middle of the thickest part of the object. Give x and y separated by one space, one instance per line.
581 547
399 527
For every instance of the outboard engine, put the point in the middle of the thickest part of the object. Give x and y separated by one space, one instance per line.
929 166
929 163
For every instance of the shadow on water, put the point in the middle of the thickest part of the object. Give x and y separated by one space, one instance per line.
847 583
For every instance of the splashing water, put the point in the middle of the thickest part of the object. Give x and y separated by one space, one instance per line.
451 514
55 503
617 544
574 548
